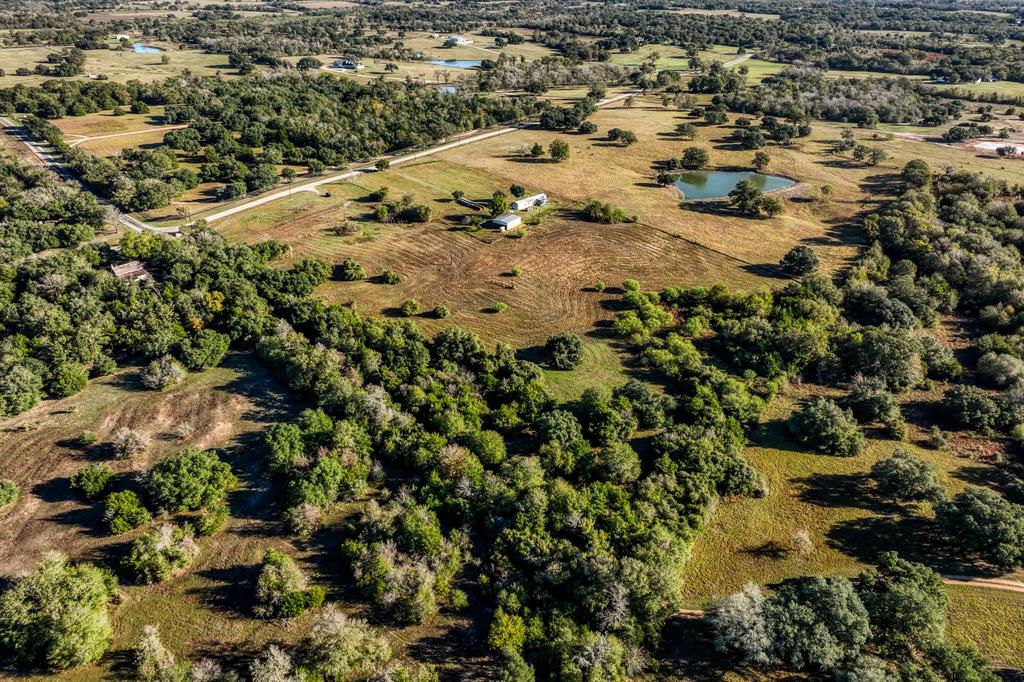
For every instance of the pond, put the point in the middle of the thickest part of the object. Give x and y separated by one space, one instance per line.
694 185
457 63
145 49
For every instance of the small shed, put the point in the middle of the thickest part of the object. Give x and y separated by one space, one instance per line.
526 203
509 221
132 271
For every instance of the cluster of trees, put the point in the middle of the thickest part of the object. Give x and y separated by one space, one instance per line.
889 623
799 93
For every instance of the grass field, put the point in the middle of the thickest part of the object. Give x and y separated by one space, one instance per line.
118 66
991 620
999 88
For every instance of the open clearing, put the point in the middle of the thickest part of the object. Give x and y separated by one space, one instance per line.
117 65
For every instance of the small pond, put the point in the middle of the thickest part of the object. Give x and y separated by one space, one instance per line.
457 63
695 185
145 49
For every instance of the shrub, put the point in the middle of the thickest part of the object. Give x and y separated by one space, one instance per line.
488 446
340 647
281 590
390 277
273 665
349 271
1000 369
56 617
128 442
565 350
601 212
970 407
870 401
211 520
799 261
559 150
88 439
694 158
905 476
410 307
8 492
441 311
984 524
496 308
68 379
154 662
824 426
206 349
162 373
124 512
161 553
192 479
92 480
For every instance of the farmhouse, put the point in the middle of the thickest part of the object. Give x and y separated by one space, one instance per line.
347 64
509 221
460 40
526 203
132 271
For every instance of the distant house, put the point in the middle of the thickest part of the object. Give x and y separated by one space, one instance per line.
509 221
347 64
526 203
460 40
122 36
132 271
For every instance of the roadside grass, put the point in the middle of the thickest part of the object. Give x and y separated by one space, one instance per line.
105 123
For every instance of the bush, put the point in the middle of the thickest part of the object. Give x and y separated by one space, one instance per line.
162 373
984 524
390 277
799 261
488 446
281 590
1000 369
410 308
8 492
694 158
206 349
340 647
192 479
824 426
601 212
68 379
565 350
124 512
161 553
92 481
970 407
211 520
56 617
441 311
905 476
349 271
128 442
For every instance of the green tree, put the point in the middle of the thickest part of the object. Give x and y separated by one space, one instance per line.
905 476
565 350
56 617
761 161
192 479
559 150
124 511
982 523
799 261
694 158
824 426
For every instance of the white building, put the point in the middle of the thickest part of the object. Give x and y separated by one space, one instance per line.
347 64
526 203
461 40
509 221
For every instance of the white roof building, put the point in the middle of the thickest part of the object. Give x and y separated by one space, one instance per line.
526 203
509 221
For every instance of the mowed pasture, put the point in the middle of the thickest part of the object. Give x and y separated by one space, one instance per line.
117 65
442 262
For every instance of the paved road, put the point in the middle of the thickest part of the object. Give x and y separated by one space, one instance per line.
738 60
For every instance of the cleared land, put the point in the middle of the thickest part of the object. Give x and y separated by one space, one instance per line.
117 65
